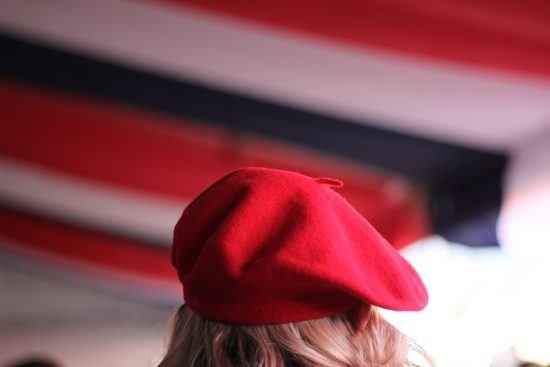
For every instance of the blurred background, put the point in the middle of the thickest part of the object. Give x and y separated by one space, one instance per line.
114 114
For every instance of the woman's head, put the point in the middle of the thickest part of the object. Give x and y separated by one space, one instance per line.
357 338
278 269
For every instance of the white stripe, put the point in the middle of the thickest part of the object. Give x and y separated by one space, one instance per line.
75 200
432 99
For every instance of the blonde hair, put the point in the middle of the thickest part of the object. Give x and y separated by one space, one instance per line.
328 342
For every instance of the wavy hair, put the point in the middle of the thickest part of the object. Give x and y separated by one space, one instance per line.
332 341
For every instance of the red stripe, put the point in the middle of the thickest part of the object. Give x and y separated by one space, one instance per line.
103 142
94 251
506 34
139 150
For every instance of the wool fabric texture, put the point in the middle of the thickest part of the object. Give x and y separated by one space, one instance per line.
264 246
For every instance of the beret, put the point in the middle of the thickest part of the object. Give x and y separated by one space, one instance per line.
264 246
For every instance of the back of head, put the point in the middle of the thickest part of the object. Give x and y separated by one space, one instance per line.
279 270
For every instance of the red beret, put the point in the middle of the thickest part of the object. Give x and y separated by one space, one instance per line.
266 246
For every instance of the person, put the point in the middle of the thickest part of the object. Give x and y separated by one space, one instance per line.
279 270
36 361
